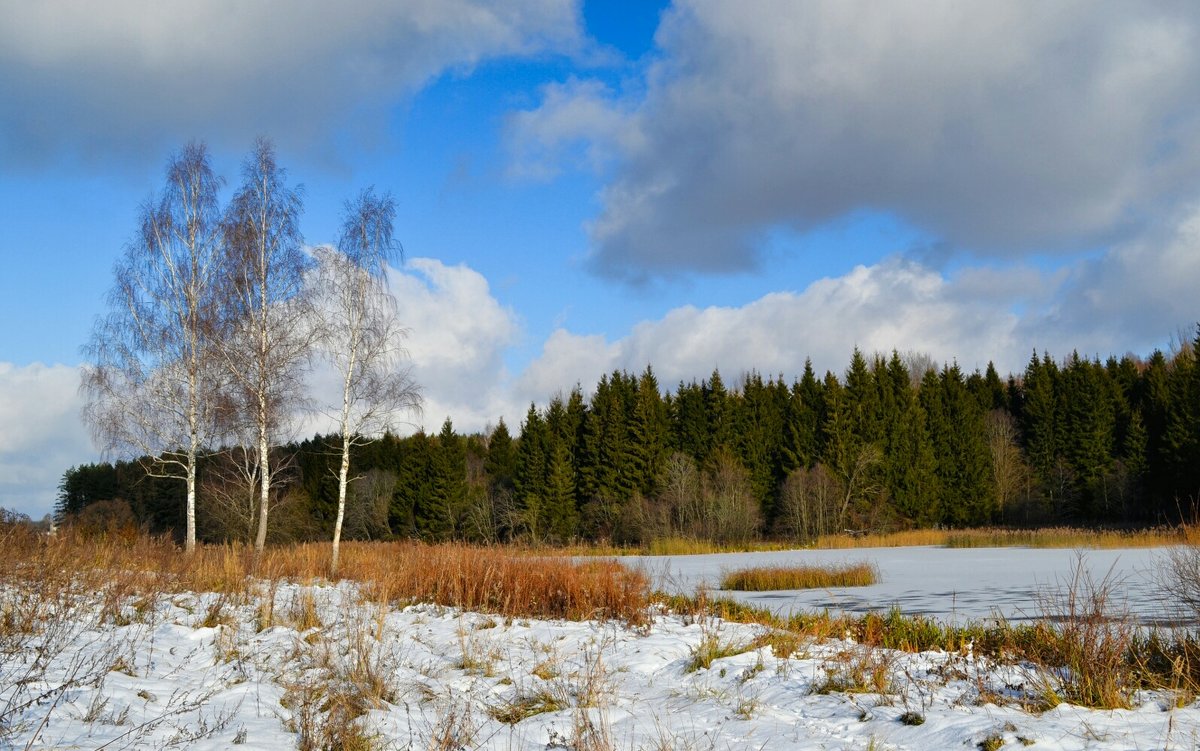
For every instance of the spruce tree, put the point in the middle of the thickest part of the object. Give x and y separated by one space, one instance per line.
559 517
500 465
803 427
532 462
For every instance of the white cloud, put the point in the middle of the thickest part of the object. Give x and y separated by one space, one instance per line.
896 304
1002 128
582 124
98 80
1144 290
458 334
41 435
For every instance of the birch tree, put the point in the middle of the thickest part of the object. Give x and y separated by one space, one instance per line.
359 334
267 351
152 386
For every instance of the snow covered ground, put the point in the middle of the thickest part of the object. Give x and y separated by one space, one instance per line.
950 584
198 671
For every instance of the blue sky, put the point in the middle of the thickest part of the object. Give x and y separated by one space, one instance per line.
609 185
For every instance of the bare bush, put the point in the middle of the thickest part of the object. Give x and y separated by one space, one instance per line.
809 502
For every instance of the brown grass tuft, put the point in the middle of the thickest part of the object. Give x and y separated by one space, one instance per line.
770 578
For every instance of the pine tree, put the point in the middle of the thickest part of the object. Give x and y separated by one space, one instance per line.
720 417
1041 421
501 462
559 515
649 434
1089 426
803 427
689 421
962 453
532 462
862 400
759 431
909 463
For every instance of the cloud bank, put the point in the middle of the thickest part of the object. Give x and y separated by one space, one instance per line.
40 434
999 128
122 79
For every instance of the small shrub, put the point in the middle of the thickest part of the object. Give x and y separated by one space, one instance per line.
526 706
912 718
863 670
1092 643
710 649
992 743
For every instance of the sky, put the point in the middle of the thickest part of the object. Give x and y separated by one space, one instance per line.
583 187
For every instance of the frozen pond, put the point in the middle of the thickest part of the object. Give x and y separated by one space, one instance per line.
950 584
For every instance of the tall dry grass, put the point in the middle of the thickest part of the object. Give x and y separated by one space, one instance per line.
771 578
1047 537
488 579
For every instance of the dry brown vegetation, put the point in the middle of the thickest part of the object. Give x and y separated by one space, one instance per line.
769 578
487 579
1046 537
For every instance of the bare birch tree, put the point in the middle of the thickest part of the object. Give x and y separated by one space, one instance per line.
267 351
152 385
359 334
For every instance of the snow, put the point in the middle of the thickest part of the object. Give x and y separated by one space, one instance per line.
195 671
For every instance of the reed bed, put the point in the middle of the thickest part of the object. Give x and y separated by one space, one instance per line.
488 579
1046 537
770 578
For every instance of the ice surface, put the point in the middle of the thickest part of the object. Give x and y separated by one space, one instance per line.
951 584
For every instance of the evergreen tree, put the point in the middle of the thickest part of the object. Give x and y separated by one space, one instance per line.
413 485
961 450
909 463
501 462
532 462
1181 429
759 419
1041 420
1089 426
559 516
689 421
720 418
862 400
802 429
650 432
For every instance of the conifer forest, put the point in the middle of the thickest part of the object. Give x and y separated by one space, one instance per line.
893 442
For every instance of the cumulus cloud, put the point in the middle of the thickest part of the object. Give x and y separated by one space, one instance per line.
1001 128
897 304
97 80
458 333
1129 300
40 434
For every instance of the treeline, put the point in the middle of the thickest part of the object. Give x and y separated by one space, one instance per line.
892 443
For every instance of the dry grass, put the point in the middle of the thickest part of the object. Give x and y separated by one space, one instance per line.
1049 537
485 579
770 578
